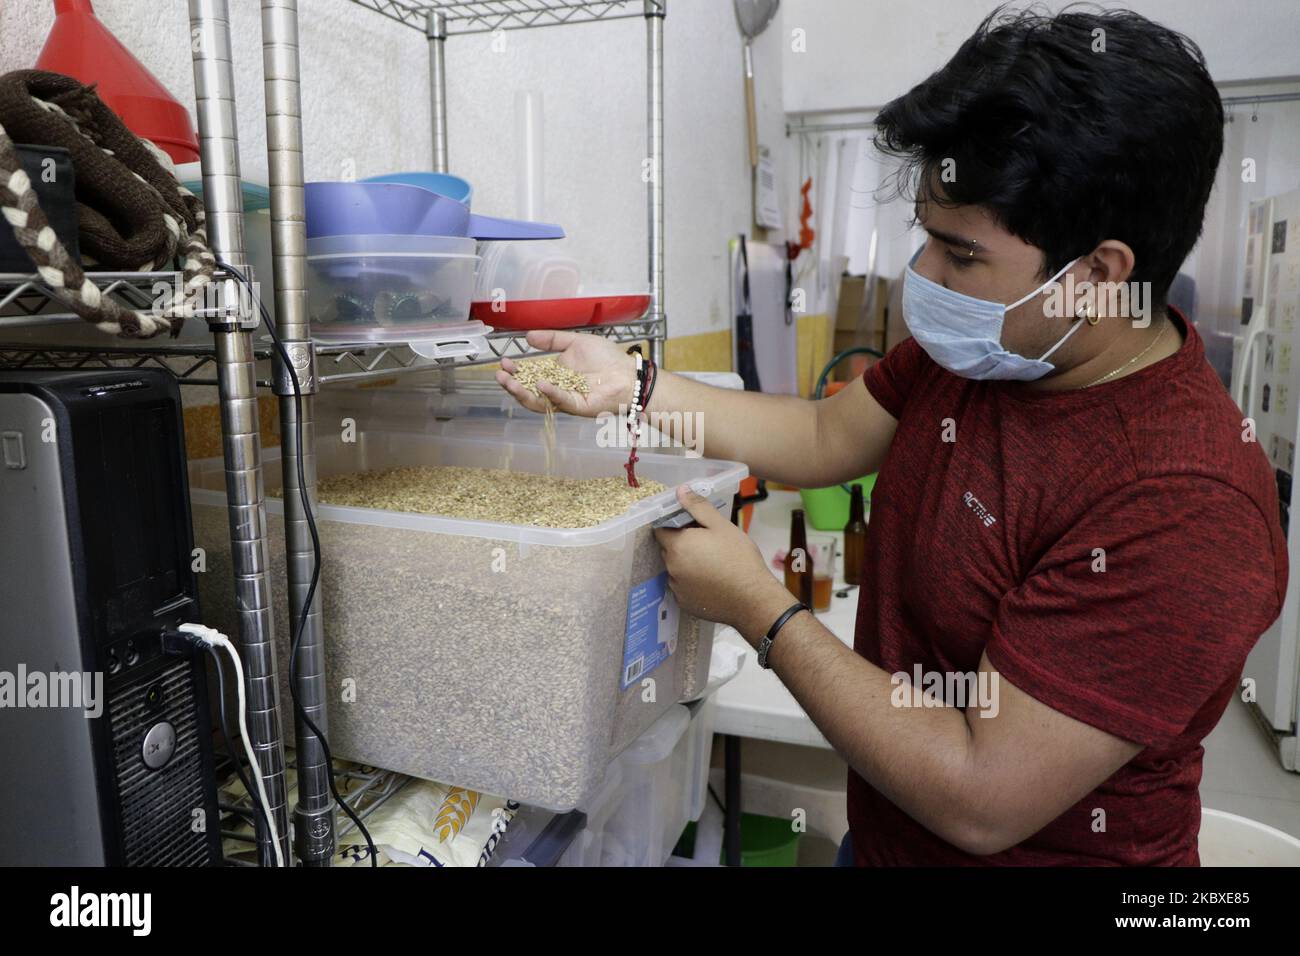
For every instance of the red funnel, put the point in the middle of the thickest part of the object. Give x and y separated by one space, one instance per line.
81 47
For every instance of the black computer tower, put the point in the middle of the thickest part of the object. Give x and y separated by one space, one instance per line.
95 561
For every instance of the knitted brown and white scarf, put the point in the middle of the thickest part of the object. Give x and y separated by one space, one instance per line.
134 215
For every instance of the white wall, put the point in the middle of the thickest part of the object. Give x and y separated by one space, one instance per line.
862 53
366 110
592 80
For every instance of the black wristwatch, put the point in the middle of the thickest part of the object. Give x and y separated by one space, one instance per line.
765 645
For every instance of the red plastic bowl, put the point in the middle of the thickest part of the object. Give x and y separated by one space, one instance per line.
613 309
561 313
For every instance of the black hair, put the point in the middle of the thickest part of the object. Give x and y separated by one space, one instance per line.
1070 129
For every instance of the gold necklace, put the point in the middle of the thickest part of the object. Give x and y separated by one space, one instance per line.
1110 375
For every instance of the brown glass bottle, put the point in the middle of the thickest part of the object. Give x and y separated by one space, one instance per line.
799 583
855 539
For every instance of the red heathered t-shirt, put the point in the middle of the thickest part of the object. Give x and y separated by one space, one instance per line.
1152 468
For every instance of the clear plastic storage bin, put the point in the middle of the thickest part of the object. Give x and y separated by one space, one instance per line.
649 795
475 412
491 656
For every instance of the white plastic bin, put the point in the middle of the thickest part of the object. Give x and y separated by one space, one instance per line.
485 655
589 846
1227 839
697 754
652 791
637 816
650 817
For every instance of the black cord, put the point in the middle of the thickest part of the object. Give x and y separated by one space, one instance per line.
717 799
258 806
316 561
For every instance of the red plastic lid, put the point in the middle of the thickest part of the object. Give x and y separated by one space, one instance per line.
80 46
561 313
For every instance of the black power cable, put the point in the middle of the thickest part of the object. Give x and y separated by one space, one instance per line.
316 561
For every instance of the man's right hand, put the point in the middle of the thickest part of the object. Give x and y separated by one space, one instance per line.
781 437
610 373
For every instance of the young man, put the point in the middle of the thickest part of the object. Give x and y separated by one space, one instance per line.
1069 509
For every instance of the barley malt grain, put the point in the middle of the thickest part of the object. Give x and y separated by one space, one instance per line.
488 494
532 371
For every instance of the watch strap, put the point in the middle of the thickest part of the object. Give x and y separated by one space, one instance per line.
765 645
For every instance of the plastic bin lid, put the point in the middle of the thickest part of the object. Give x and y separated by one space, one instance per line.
428 335
256 197
599 803
660 738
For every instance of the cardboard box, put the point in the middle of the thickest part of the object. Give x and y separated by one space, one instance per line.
856 325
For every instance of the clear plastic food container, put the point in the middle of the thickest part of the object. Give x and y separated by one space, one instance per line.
389 288
525 270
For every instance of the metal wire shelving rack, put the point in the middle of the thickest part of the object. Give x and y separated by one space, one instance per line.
25 300
232 361
364 789
341 363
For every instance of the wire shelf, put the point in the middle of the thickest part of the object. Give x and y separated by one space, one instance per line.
343 363
26 297
336 363
488 16
186 364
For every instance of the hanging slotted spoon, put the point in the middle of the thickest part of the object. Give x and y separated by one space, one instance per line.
753 17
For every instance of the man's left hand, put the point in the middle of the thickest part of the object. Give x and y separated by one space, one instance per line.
715 570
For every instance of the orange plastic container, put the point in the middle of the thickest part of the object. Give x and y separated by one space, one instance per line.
80 46
748 486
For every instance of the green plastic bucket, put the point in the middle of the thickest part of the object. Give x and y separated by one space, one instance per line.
767 841
764 841
827 509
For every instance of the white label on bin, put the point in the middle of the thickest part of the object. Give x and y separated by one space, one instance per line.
651 636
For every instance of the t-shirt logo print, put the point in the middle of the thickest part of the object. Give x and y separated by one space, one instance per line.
981 512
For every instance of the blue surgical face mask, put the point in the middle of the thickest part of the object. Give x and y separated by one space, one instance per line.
964 334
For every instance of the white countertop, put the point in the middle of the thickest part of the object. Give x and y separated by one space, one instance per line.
755 703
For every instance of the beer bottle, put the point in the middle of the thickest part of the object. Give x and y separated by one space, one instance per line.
798 561
855 539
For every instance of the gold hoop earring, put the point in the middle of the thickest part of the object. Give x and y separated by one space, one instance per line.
1085 313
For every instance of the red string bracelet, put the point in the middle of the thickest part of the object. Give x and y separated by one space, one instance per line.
641 389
